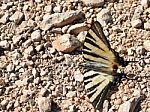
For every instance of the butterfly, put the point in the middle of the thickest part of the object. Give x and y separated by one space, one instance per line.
103 65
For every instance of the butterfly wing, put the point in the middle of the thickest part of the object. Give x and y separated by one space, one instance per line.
97 49
98 57
97 85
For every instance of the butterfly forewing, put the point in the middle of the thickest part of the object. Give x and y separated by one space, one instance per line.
98 59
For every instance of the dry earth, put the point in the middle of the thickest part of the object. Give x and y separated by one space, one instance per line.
40 50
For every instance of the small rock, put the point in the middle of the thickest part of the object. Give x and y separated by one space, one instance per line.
39 47
43 92
57 9
52 50
38 1
71 108
16 39
36 36
140 50
137 13
93 3
66 43
81 36
29 50
48 8
4 44
104 17
24 98
37 80
17 17
44 104
35 73
118 101
147 26
78 76
71 94
130 51
145 3
4 19
10 67
77 28
27 43
4 6
4 103
130 105
146 45
136 23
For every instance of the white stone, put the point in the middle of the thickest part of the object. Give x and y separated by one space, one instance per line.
104 17
94 3
66 43
136 23
4 19
146 45
147 26
17 17
44 104
4 44
10 67
36 35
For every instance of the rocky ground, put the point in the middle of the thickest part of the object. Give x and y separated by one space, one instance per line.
40 49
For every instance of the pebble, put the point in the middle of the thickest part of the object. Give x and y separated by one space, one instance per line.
66 43
29 50
78 76
4 19
93 3
136 23
57 9
140 50
104 17
77 28
44 104
43 92
147 26
48 8
36 36
130 51
35 73
4 44
145 3
10 67
17 17
27 43
146 45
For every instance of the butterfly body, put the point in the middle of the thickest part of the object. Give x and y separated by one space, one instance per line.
101 64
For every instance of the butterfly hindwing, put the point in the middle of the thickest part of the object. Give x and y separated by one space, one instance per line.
97 85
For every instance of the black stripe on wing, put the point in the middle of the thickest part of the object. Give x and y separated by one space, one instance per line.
94 55
98 102
98 30
92 43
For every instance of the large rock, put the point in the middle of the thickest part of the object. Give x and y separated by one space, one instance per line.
60 19
66 43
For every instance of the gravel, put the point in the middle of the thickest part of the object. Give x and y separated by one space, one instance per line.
40 53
